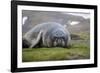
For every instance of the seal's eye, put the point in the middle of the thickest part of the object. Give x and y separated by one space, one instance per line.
58 34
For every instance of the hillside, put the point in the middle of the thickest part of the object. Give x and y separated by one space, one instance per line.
37 17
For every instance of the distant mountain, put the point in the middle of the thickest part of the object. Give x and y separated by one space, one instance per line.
37 17
83 26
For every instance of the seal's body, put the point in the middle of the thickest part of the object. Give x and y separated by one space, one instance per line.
50 34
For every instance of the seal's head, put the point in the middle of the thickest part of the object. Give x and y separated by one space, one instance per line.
59 38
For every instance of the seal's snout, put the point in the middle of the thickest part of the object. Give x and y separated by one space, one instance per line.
59 41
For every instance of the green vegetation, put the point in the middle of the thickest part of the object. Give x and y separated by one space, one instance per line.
79 49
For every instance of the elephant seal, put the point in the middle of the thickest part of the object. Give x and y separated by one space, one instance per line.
49 34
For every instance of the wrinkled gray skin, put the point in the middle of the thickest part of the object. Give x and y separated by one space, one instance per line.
50 34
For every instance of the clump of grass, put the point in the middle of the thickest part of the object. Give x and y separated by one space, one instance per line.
84 35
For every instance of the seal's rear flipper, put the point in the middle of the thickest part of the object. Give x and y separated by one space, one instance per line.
25 43
37 40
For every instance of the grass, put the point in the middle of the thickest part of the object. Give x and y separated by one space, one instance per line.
79 49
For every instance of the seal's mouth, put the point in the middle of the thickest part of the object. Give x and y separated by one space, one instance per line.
59 42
